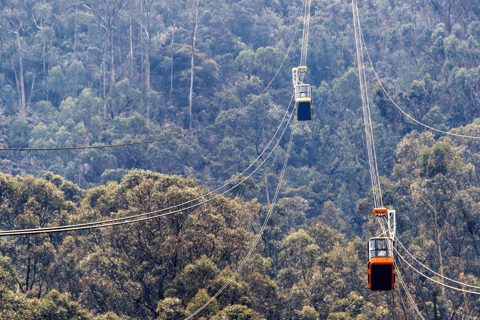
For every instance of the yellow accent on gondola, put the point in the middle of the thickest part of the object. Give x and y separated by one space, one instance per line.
303 95
302 69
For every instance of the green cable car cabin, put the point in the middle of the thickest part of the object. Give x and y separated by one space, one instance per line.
303 95
303 102
381 269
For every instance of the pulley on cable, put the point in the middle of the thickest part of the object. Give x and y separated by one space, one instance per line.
381 267
303 95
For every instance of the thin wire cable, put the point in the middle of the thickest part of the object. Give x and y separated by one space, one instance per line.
140 217
436 273
109 222
431 128
373 153
180 135
433 280
391 248
372 158
404 112
184 203
262 229
306 31
257 236
409 295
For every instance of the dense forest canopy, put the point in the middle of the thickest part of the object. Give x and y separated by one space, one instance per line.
88 73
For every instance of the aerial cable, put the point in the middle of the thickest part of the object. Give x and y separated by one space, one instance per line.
433 280
187 202
403 111
257 236
270 211
306 30
141 217
372 158
410 298
391 248
433 129
119 221
400 277
359 40
436 273
179 135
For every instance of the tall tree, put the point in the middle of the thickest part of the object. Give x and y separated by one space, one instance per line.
107 12
192 65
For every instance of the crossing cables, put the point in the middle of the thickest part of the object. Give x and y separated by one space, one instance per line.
157 213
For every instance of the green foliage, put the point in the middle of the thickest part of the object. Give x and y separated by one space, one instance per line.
236 312
198 301
170 309
55 306
307 313
84 74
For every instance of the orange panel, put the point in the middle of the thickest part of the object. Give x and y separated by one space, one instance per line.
380 212
381 274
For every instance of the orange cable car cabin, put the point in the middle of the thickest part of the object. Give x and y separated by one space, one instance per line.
381 269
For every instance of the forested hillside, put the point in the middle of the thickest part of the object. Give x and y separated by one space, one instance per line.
81 73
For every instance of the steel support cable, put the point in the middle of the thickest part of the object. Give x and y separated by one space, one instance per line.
306 31
400 277
403 111
257 237
142 217
391 248
409 295
180 135
436 273
373 167
187 202
433 280
106 223
372 158
373 154
433 129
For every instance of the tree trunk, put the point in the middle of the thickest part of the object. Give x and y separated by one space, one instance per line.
28 275
171 68
28 265
112 66
191 68
131 46
23 113
266 182
75 37
147 61
75 51
104 82
265 172
142 45
439 245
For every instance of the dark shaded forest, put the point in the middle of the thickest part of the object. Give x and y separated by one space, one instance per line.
88 73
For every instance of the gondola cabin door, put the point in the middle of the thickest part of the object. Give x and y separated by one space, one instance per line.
381 269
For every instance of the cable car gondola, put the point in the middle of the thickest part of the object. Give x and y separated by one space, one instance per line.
303 95
381 269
